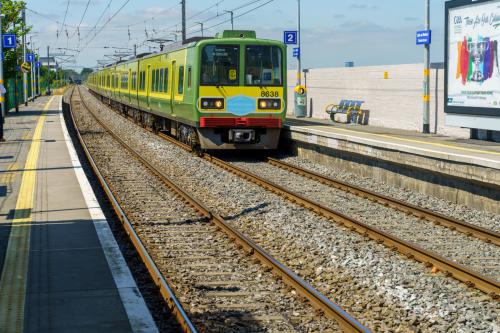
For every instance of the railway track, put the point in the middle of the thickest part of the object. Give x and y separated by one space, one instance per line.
408 222
486 235
206 241
434 261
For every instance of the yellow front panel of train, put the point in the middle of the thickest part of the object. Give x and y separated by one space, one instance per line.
243 101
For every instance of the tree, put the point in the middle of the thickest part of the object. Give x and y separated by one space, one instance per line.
85 73
13 23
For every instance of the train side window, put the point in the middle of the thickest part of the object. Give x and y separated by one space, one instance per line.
153 81
161 80
142 80
165 80
180 86
134 80
157 80
189 77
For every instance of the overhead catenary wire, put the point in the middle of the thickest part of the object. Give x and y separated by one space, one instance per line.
64 19
99 19
77 30
104 25
168 30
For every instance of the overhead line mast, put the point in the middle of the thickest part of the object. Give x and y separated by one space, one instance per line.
183 2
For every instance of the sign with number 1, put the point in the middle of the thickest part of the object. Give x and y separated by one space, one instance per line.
9 41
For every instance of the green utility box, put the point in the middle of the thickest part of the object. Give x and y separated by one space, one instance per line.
300 110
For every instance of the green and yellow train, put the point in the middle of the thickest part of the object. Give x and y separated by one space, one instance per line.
227 92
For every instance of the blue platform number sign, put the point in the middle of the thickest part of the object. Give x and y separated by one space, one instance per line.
38 64
9 41
290 37
30 57
296 52
424 37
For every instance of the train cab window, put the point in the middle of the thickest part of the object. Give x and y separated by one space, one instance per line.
189 77
219 65
180 84
165 81
263 66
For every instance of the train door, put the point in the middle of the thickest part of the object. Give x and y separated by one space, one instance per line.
148 86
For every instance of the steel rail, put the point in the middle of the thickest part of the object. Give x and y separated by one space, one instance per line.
433 260
487 235
167 293
318 301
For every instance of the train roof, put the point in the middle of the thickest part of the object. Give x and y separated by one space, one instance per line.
191 42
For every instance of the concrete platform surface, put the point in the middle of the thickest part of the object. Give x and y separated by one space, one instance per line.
61 268
475 152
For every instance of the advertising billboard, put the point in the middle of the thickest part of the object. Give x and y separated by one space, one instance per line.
472 83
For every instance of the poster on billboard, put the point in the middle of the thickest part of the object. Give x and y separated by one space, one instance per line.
472 59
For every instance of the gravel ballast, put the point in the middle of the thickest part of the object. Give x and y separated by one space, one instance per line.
381 288
221 288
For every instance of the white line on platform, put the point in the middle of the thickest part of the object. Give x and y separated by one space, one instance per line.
139 316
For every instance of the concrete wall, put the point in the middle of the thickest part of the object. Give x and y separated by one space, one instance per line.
395 102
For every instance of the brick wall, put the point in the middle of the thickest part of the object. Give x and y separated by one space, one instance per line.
395 102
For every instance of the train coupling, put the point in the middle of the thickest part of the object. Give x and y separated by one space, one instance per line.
242 135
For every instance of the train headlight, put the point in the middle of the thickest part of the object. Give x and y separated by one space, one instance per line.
212 103
269 104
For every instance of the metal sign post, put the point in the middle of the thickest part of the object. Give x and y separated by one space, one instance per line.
2 89
427 72
25 74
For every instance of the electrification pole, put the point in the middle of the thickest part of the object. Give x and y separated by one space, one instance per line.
25 75
2 98
183 2
48 70
39 91
32 71
427 56
135 50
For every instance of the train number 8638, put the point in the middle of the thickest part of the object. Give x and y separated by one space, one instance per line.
266 93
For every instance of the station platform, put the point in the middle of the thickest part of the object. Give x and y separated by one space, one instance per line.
61 268
461 170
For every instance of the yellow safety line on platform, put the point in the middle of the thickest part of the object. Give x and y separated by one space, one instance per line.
15 268
489 152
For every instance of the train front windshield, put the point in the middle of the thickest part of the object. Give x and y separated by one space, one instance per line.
220 65
263 66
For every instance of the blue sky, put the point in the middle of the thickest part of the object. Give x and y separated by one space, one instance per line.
364 31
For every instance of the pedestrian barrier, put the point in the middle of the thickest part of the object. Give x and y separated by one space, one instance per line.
352 110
